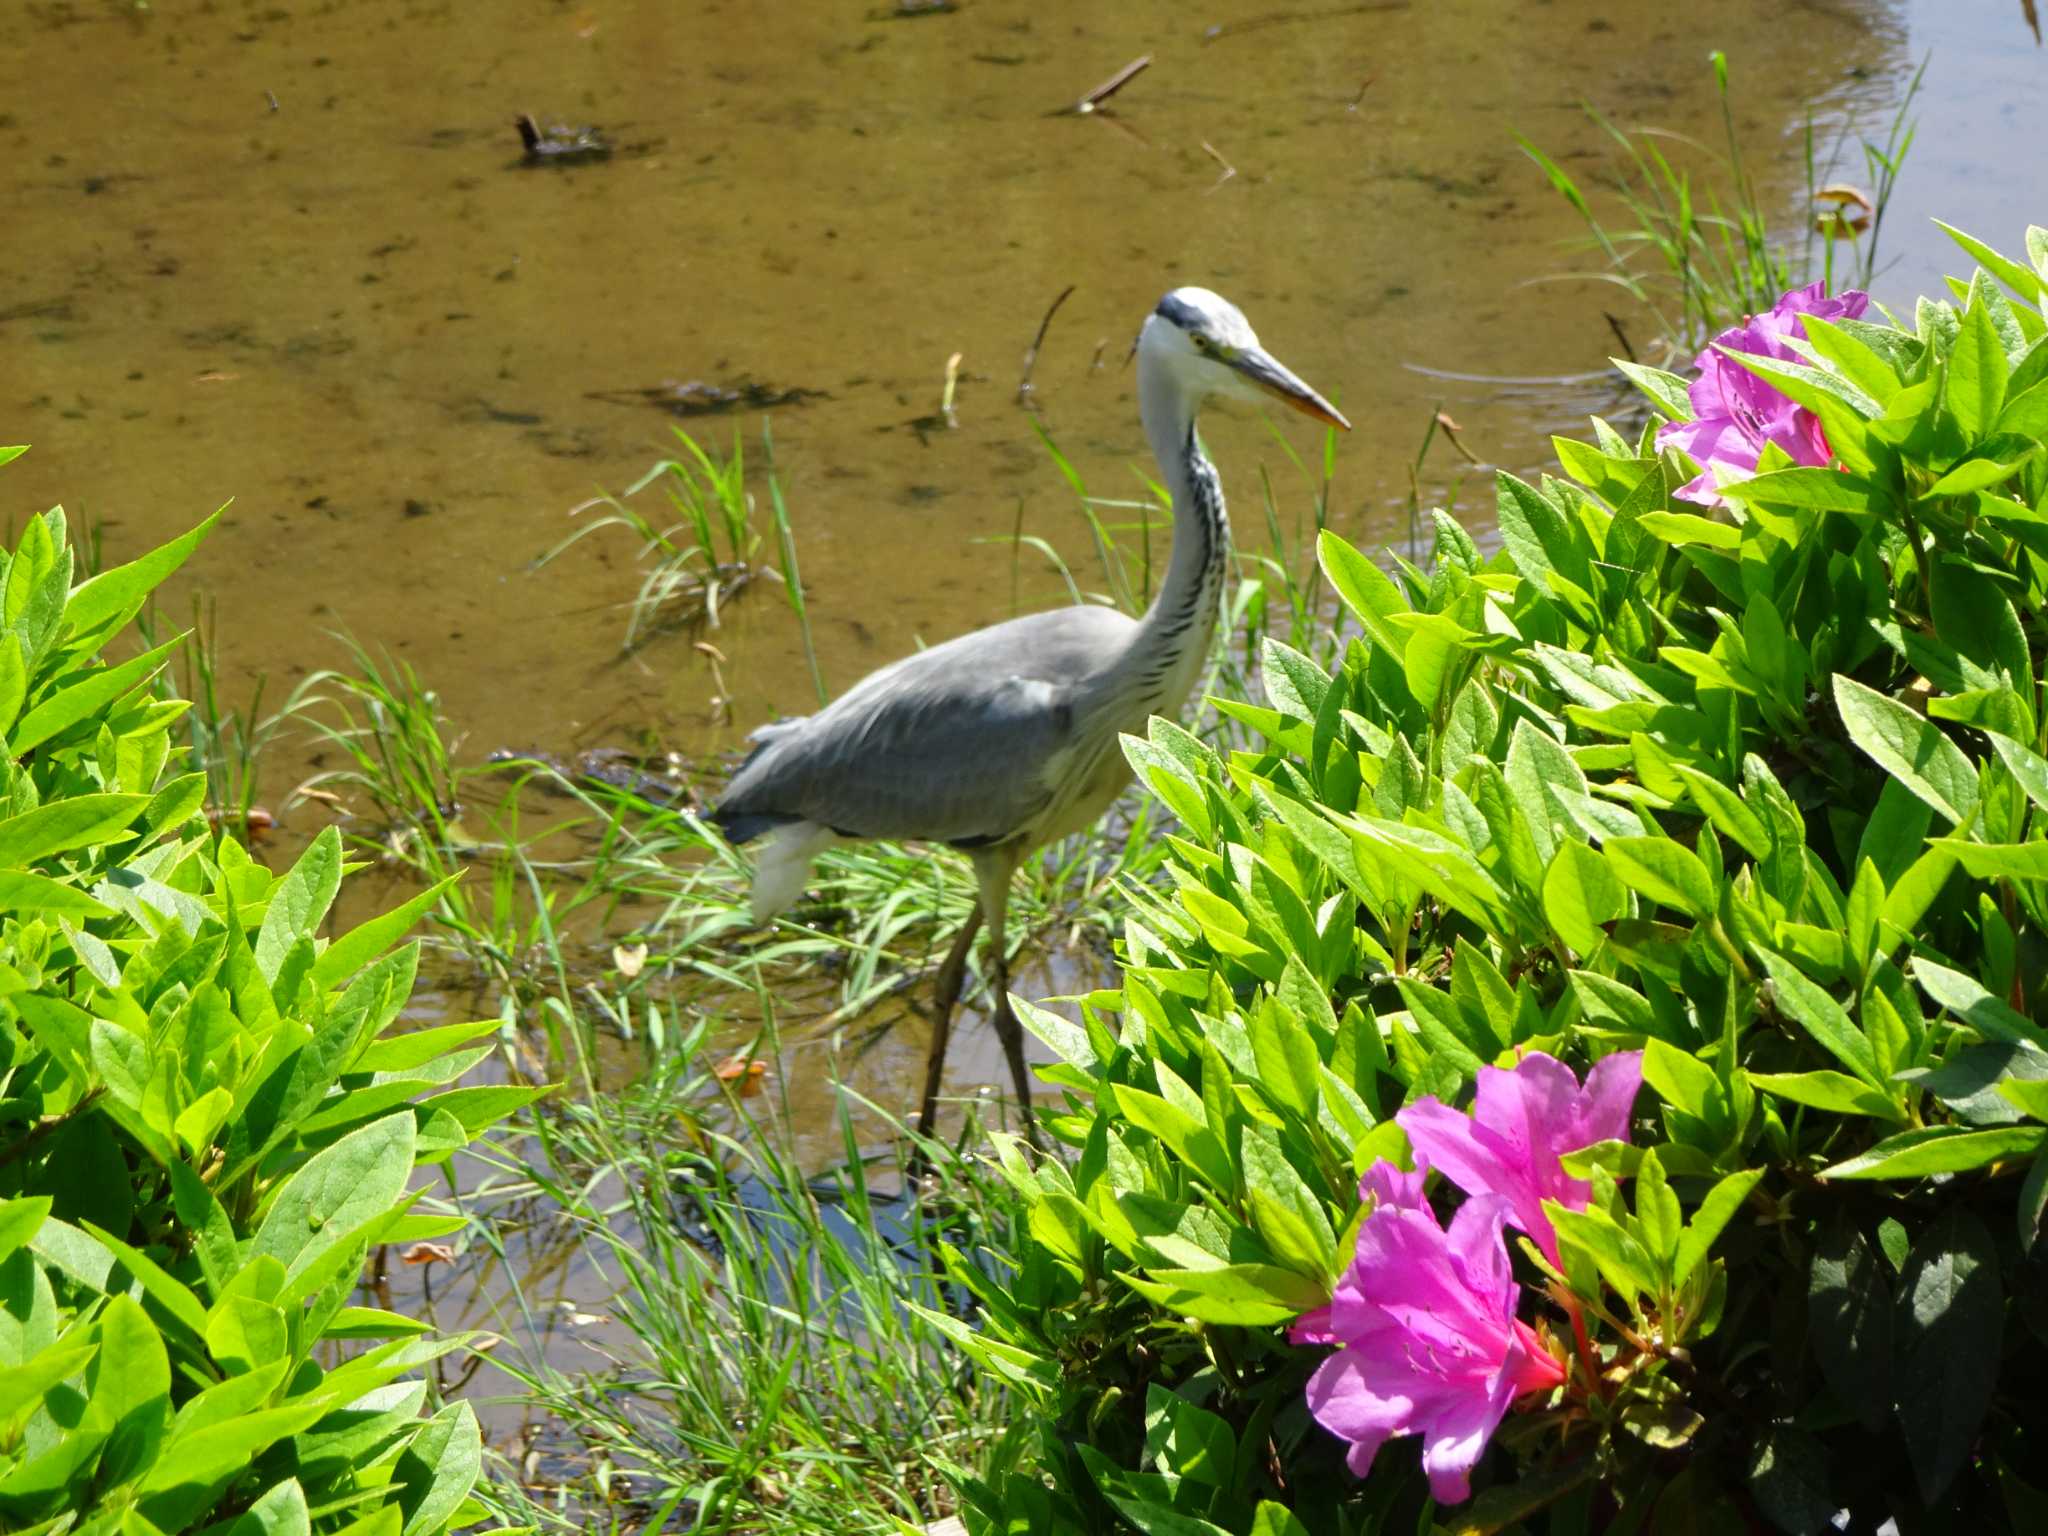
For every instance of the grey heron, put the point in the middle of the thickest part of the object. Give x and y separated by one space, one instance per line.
1005 739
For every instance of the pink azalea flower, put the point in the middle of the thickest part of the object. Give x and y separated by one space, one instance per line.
1432 1345
1522 1123
1735 413
1384 1186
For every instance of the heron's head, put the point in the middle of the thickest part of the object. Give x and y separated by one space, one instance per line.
1206 344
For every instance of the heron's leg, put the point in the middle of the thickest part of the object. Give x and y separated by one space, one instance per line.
952 971
995 871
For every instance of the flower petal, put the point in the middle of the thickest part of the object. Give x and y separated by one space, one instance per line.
1457 1148
1480 1256
1610 1093
1387 1185
1313 1327
1454 1441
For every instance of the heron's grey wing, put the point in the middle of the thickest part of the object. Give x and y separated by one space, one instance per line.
958 743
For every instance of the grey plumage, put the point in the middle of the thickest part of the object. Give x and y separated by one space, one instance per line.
1004 739
949 744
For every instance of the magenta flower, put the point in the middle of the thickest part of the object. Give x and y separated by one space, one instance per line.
1386 1187
1522 1123
1432 1345
1735 413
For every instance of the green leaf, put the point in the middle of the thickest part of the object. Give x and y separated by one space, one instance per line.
1678 1077
1788 1474
1968 1082
1666 872
1707 1223
1730 815
119 592
1284 1211
1286 1055
1682 528
1184 1440
2028 768
436 1471
1949 1323
1833 1091
1940 1149
1909 748
79 821
1367 590
341 1189
2025 415
1188 1139
1271 1519
1849 1307
280 1512
23 1386
20 1218
1581 894
1999 861
1819 490
1245 1295
168 1292
1657 1213
1966 998
101 687
414 1048
1537 538
1974 388
1618 1256
2028 1095
1809 1005
299 901
1666 391
23 892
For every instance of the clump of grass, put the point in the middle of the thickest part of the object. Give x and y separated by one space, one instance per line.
1699 253
774 1372
710 547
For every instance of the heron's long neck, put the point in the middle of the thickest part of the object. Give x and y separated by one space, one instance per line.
1173 637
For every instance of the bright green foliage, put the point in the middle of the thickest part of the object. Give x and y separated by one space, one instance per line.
1760 792
205 1123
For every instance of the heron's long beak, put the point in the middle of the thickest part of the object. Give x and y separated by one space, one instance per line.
1269 374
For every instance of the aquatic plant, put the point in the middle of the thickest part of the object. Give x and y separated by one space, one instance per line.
1761 796
767 1371
209 1114
1704 238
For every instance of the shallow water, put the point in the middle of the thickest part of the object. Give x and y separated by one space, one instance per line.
288 254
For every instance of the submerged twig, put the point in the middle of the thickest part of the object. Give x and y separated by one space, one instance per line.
946 396
1289 18
1116 82
1031 352
1229 170
1620 335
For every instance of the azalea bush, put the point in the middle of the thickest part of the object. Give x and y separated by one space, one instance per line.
209 1114
1589 1072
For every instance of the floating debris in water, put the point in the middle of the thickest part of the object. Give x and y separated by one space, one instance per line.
1844 211
559 142
698 397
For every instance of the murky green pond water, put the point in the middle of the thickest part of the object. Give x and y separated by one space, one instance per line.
287 254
